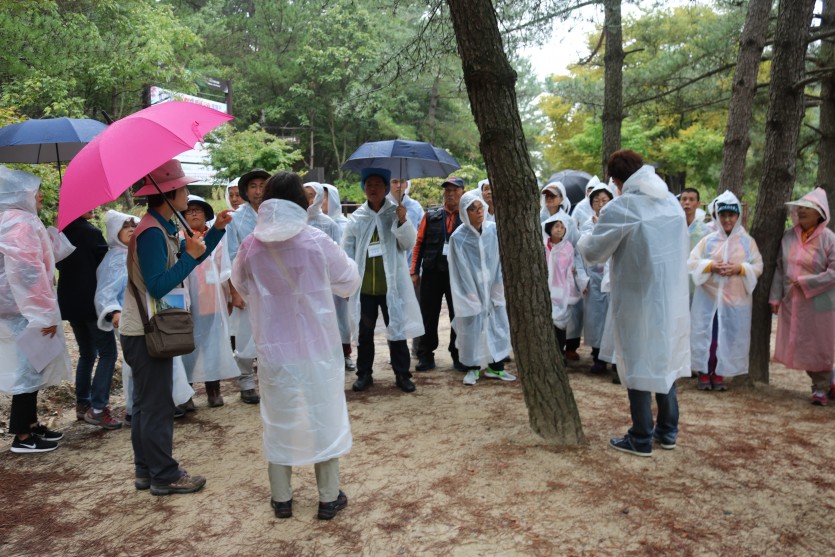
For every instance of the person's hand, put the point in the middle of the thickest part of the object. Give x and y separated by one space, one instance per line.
775 308
237 300
585 291
49 331
416 280
195 246
594 219
401 213
223 218
117 315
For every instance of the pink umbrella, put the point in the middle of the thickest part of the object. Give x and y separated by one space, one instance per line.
129 149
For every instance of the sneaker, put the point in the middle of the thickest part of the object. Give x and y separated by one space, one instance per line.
625 445
80 410
186 484
572 355
46 434
349 365
328 510
33 444
667 446
499 374
102 419
282 510
819 398
471 377
189 406
704 382
249 396
718 383
141 484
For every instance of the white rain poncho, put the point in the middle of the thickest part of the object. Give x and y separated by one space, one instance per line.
565 205
583 210
288 273
61 245
212 358
335 207
28 299
242 225
475 279
232 184
413 209
405 320
596 305
729 298
565 282
112 273
645 234
487 215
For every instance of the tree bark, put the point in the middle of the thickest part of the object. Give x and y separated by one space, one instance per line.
785 113
613 80
740 109
490 81
826 147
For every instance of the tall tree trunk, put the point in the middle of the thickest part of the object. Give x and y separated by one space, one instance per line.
433 108
782 127
826 147
737 137
490 82
310 116
613 80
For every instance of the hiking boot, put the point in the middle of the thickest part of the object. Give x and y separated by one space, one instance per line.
819 398
625 445
141 484
189 406
459 366
282 510
426 364
186 484
405 384
81 409
213 394
349 365
471 377
362 383
32 444
572 355
499 374
249 396
328 510
102 419
46 434
704 382
718 383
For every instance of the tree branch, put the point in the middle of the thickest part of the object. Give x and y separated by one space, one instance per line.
551 15
682 86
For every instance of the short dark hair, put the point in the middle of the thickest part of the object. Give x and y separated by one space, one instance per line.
623 164
596 193
692 190
157 199
288 186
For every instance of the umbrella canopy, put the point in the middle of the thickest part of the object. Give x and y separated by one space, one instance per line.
46 140
129 149
405 159
575 184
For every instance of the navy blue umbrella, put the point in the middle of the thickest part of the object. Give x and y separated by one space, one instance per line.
47 140
405 159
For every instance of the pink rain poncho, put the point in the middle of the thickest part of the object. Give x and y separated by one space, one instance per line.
565 284
729 298
804 286
288 273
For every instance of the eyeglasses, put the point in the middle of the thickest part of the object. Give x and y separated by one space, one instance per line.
194 211
475 209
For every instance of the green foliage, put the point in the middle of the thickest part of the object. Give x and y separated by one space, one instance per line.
234 153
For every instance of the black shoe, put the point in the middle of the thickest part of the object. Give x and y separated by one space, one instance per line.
328 510
405 384
460 367
179 412
46 434
363 382
285 509
33 444
426 364
249 396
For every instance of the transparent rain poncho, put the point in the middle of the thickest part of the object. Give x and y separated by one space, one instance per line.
596 305
475 279
232 184
804 286
728 298
583 210
413 208
487 215
242 225
565 282
335 207
405 320
28 299
645 234
288 273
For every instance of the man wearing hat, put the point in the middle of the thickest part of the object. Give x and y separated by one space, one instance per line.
430 271
377 237
251 187
159 261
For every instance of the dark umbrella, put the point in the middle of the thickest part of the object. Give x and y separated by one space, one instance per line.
575 183
47 140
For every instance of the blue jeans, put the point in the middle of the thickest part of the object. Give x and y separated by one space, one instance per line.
666 428
92 343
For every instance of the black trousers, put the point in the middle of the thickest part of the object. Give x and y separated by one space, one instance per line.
398 349
152 421
24 412
434 287
561 339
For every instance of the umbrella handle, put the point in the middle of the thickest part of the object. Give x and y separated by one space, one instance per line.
176 212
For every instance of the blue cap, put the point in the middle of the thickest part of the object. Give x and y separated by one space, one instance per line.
452 180
381 172
730 207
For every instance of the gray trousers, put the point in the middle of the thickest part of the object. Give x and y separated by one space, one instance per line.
327 479
246 381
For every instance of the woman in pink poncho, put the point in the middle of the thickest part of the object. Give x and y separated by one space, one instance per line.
803 294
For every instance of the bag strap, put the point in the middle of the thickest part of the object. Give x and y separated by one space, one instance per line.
143 314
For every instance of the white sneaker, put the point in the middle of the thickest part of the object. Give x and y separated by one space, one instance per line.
349 364
471 377
503 375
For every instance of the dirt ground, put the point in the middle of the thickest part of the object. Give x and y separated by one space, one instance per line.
448 470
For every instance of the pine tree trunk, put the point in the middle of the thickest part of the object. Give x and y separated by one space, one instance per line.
613 80
785 113
737 137
826 147
490 84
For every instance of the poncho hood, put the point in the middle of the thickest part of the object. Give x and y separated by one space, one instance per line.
279 220
232 184
561 216
592 184
646 181
113 222
466 200
315 208
334 202
558 187
815 199
17 190
728 198
602 187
